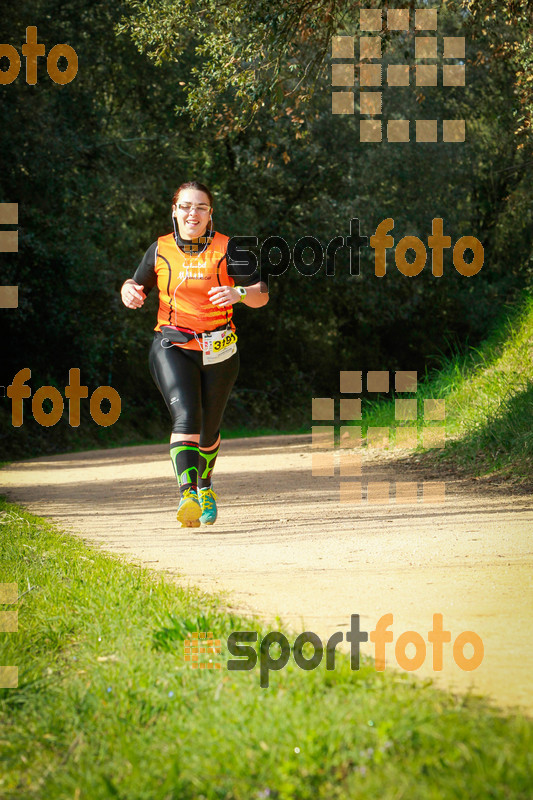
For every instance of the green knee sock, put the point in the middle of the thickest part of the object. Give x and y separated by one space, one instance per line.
207 465
184 457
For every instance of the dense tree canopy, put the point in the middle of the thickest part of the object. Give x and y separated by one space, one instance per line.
239 96
273 52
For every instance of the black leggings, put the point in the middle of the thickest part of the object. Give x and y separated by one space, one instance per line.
196 395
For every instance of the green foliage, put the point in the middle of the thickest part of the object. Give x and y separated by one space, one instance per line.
489 400
238 58
506 28
177 629
100 713
93 166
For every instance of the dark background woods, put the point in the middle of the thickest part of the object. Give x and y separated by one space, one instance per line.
218 93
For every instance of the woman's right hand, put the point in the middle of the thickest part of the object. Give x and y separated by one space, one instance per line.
132 294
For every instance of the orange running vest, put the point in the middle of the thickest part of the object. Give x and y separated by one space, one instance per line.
183 281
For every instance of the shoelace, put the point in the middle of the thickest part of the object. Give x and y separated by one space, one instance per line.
208 498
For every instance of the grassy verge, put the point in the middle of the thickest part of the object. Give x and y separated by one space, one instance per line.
107 707
489 401
226 433
241 432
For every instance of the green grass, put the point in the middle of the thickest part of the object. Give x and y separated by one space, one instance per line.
244 432
489 401
107 707
247 433
229 433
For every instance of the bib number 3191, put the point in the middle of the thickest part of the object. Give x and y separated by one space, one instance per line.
218 346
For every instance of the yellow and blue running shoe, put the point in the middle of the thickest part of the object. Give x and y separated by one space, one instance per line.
209 506
189 509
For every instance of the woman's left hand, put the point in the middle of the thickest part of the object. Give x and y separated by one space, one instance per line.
223 296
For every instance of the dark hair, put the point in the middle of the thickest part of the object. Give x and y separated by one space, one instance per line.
192 185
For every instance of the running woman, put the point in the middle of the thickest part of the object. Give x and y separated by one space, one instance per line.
194 359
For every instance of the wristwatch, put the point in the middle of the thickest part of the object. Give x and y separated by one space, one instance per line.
242 292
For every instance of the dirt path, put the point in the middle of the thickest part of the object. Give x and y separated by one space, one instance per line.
284 546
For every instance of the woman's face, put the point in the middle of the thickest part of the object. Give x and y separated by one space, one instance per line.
193 213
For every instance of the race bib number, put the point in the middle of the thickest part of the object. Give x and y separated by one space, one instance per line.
218 346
